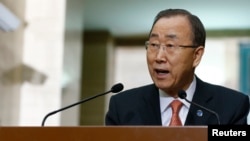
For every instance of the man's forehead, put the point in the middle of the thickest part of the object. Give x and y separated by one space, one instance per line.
167 36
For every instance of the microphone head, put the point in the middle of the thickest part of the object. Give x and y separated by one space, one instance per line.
117 88
182 94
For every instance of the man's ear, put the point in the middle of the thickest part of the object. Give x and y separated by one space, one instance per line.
198 53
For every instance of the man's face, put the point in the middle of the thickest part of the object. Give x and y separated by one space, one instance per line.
171 66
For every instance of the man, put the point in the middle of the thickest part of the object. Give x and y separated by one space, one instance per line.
174 49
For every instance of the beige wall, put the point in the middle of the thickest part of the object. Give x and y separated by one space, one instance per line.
31 62
41 63
72 61
11 54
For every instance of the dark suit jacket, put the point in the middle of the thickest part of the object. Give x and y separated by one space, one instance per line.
141 106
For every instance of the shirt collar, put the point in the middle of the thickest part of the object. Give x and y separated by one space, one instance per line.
166 99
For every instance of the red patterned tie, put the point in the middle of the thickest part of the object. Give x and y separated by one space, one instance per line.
176 106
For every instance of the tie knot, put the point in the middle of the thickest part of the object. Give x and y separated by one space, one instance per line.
176 106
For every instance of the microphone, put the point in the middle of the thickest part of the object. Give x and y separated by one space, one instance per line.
114 89
182 94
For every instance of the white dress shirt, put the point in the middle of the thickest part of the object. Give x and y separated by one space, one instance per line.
165 100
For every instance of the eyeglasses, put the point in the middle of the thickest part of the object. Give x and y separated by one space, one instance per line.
154 47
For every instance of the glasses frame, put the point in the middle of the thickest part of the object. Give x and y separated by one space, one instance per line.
184 46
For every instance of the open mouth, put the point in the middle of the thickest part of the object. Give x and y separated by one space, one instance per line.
161 71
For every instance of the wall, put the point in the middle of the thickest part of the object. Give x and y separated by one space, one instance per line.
11 54
31 62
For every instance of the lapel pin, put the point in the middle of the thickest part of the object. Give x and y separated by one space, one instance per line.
199 113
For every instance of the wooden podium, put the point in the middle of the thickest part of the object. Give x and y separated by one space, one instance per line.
104 133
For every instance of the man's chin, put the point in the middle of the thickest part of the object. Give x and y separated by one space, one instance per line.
162 86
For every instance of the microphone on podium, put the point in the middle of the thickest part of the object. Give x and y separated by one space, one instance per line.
182 94
114 89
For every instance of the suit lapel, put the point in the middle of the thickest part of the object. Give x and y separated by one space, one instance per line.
196 115
152 113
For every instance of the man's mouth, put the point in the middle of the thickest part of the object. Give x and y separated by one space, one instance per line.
161 71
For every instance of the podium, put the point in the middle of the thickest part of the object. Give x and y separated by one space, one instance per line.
104 133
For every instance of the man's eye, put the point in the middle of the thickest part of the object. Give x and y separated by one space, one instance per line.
154 45
170 45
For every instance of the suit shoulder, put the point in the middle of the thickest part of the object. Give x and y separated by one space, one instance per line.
223 90
137 90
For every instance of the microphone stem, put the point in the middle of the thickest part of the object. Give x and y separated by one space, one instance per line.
69 106
217 116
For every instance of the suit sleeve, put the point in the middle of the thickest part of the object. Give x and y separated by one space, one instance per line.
111 115
242 113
